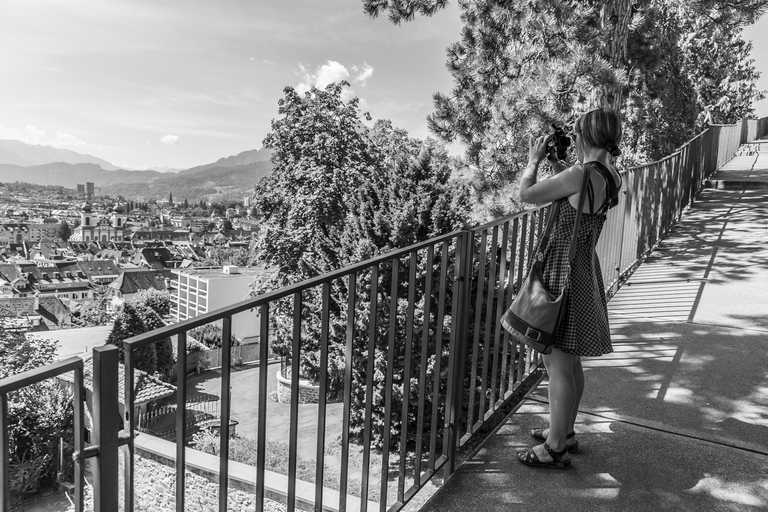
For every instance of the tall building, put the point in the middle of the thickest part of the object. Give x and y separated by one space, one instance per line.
80 189
89 188
202 290
247 201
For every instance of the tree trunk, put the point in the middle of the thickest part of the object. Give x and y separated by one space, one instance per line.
614 22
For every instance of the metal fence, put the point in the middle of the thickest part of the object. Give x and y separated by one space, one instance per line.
409 342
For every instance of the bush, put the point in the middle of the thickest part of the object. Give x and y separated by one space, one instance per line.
38 415
210 335
27 473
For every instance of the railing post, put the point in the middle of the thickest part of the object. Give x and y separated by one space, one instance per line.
106 425
454 397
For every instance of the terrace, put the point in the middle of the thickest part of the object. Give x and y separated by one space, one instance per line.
410 357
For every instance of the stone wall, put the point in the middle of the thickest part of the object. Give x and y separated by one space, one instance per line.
308 392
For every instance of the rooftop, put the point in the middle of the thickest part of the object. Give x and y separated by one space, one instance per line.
219 273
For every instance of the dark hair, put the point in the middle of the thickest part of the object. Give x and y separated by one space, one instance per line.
601 128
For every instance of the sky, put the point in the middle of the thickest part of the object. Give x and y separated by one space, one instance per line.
179 83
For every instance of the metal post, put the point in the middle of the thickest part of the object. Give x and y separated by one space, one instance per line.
106 425
453 399
181 426
5 488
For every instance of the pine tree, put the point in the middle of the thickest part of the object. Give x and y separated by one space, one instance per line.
666 65
170 198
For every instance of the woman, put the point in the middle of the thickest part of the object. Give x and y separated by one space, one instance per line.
584 329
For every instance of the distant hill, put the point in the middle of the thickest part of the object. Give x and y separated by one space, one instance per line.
215 184
232 177
69 175
252 156
20 153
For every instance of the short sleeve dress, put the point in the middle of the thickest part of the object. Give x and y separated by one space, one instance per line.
584 329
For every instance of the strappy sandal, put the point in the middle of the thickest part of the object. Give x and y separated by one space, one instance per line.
538 434
558 462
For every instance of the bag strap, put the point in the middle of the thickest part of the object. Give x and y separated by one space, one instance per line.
582 197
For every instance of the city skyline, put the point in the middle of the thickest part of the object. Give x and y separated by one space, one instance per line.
149 85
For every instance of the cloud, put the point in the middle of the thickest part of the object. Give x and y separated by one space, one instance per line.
62 139
363 72
332 72
171 139
31 134
35 133
268 62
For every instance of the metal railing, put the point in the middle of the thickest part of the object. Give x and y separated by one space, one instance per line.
408 342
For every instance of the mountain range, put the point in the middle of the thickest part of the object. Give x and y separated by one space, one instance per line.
230 177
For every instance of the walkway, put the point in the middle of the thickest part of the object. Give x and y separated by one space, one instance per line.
677 417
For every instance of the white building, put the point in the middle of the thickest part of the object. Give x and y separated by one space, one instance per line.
201 290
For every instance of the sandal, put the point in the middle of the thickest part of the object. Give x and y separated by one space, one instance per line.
538 434
558 462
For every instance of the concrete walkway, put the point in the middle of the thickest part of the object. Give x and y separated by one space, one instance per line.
677 417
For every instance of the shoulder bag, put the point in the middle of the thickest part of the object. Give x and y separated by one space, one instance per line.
535 313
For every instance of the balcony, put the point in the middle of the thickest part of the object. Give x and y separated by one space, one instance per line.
674 419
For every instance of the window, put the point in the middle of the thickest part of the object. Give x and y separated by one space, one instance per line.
87 221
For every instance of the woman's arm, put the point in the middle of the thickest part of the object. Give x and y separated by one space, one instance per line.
556 187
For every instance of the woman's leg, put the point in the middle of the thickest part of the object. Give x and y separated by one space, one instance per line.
578 377
562 397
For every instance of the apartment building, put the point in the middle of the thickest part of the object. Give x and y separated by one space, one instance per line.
200 290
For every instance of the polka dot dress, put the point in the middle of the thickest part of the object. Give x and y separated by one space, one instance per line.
584 329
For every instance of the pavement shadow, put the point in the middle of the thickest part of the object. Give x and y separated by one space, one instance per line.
709 380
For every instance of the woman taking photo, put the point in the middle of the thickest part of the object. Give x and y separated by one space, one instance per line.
583 330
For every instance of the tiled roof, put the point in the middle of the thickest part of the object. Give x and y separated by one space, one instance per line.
51 309
147 388
131 281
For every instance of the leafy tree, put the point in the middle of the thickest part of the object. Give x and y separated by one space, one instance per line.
150 305
340 193
226 225
157 300
129 323
90 314
64 231
320 153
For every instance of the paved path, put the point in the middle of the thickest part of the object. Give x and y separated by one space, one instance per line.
677 417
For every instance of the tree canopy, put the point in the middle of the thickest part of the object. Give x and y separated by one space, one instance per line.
669 67
342 192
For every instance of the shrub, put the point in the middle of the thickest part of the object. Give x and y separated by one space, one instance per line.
38 415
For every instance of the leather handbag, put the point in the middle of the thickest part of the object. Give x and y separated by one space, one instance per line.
534 315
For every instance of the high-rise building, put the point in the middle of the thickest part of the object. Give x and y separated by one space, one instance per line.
89 188
247 201
80 189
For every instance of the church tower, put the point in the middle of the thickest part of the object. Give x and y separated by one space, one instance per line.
87 221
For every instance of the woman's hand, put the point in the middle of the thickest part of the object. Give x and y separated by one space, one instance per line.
537 150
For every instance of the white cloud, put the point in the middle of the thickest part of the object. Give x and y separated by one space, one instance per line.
332 72
34 135
268 62
62 139
363 72
171 139
31 134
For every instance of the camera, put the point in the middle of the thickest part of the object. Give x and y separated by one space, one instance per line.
557 145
